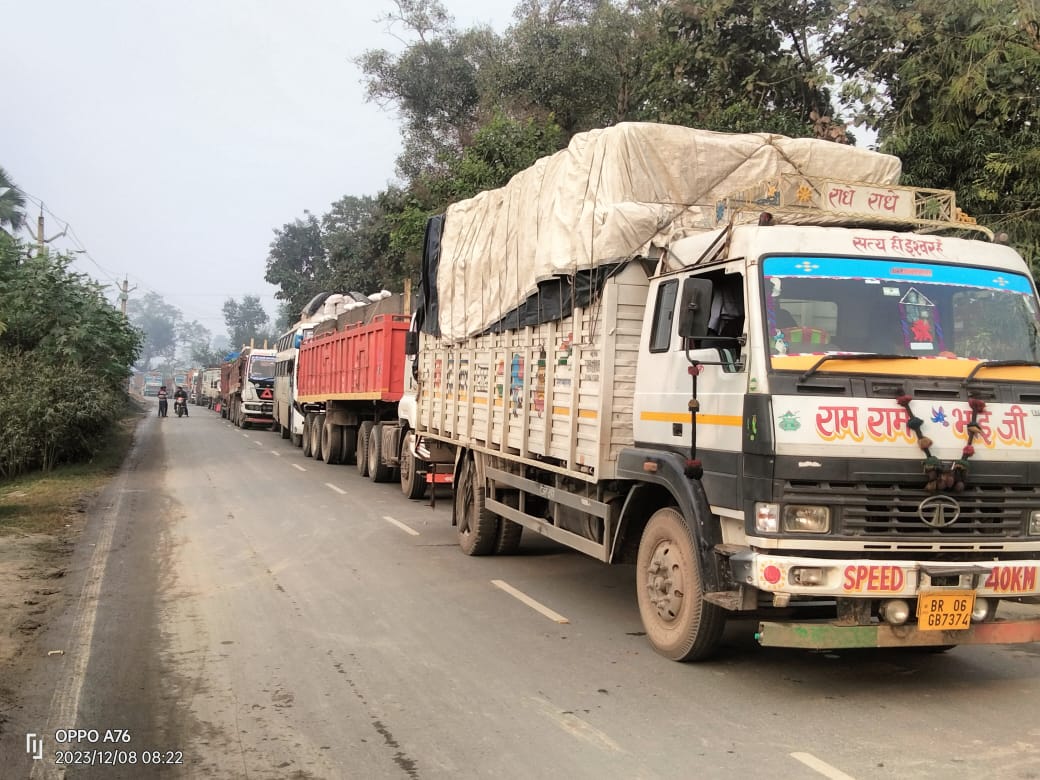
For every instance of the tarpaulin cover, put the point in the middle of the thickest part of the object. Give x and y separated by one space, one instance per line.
609 196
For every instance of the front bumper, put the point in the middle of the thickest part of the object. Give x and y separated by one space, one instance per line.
827 636
871 578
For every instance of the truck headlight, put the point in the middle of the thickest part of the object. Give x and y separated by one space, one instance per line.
1034 523
801 519
766 518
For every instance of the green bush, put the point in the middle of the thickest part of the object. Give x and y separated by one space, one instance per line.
65 354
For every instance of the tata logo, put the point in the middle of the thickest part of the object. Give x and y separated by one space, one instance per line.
939 511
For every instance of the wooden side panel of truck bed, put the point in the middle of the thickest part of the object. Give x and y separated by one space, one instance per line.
560 393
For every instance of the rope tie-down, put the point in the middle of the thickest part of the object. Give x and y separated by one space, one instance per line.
951 476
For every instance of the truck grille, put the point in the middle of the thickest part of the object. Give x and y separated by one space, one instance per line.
892 510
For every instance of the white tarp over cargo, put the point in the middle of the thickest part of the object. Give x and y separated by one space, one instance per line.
610 196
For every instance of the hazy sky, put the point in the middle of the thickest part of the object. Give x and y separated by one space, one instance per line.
174 137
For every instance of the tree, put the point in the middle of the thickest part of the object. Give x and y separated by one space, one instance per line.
953 88
161 323
246 322
12 204
298 262
64 360
342 236
578 61
742 66
433 82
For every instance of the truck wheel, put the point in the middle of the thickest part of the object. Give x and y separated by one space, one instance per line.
364 433
308 423
413 481
509 533
331 443
679 623
348 453
316 426
478 528
377 470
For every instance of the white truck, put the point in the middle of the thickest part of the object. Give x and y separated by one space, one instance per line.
783 386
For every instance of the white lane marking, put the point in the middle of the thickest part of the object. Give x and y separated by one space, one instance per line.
298 466
401 525
341 491
556 617
822 767
577 727
246 435
276 452
258 443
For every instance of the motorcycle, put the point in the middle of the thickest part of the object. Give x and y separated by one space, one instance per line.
180 407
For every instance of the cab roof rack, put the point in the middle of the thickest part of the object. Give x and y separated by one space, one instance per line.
804 200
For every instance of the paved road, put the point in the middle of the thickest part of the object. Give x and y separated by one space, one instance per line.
257 614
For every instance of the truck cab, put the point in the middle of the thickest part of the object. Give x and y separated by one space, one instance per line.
862 408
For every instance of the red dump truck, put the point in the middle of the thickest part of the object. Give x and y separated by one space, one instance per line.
350 380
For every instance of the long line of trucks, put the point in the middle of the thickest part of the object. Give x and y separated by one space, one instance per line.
780 384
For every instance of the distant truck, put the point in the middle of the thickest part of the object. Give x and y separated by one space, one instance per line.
208 386
782 396
153 380
247 387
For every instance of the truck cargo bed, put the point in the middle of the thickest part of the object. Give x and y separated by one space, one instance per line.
558 394
360 362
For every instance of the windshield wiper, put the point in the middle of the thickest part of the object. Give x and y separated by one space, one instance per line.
997 364
854 356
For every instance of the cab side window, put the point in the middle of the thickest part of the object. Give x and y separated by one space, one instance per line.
664 316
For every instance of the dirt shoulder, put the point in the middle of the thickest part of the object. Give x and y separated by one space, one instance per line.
41 517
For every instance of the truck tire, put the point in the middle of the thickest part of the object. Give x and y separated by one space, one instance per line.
413 481
478 528
348 453
316 426
308 423
364 432
331 443
378 471
679 623
509 533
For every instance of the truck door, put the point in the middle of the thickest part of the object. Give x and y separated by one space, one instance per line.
664 386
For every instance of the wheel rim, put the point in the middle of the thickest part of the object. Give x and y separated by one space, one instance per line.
664 581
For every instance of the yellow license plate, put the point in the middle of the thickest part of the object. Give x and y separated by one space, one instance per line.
946 611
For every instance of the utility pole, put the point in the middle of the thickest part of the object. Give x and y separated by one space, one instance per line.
39 231
124 294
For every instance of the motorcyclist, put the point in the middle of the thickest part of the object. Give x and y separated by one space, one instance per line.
182 396
163 403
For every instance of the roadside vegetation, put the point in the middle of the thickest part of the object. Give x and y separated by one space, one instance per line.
65 357
47 502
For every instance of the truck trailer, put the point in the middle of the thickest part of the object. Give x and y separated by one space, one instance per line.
782 385
354 382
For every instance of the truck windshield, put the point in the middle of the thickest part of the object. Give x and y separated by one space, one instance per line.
261 367
821 305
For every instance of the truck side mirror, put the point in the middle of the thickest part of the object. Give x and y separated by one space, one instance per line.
411 343
695 308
